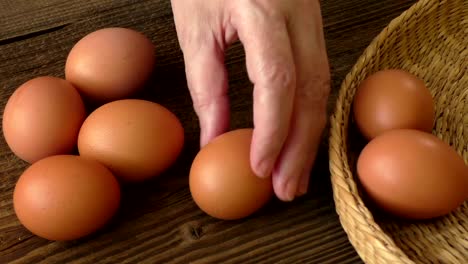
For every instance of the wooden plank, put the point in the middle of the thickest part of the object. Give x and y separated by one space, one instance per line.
158 222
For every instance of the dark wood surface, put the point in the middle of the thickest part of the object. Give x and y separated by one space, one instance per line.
158 222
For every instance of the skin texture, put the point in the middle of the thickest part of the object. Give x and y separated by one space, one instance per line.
288 65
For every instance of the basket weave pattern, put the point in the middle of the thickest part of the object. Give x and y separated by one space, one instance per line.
429 40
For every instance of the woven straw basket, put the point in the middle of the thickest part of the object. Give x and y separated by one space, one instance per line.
429 40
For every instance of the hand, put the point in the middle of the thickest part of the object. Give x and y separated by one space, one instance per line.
287 63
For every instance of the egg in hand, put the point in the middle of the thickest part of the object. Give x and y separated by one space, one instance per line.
222 182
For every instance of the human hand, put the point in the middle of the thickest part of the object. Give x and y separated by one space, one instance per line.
288 65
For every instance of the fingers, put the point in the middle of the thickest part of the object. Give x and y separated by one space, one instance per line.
298 155
203 49
304 178
287 62
270 66
207 81
304 182
309 114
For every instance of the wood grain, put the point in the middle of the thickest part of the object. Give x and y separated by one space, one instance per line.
158 221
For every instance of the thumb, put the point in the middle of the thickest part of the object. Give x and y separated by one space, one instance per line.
207 82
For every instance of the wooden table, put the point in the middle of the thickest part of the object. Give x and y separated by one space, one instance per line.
158 222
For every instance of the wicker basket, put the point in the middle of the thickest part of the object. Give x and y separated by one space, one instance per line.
429 40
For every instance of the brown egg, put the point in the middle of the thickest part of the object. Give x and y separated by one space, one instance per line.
391 99
413 174
136 139
65 197
42 118
221 180
110 63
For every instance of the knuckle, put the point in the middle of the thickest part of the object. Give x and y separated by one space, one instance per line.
191 39
205 101
198 102
202 100
279 78
314 91
260 9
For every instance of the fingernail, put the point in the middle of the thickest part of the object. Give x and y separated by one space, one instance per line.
302 190
290 191
303 184
264 169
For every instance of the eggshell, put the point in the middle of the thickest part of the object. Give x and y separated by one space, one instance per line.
136 139
110 63
65 197
221 180
391 99
42 118
413 174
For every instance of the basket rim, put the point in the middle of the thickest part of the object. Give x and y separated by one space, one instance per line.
338 137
